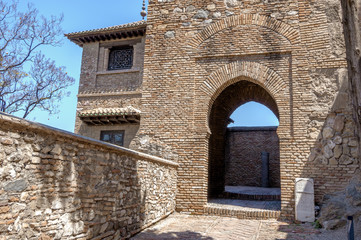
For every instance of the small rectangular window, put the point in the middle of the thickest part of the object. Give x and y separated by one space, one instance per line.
114 137
120 58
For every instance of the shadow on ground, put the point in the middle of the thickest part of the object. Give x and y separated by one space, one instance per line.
152 235
299 232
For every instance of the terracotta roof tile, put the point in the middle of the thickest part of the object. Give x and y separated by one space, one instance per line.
109 112
142 23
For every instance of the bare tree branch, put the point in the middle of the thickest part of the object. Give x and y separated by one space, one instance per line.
21 36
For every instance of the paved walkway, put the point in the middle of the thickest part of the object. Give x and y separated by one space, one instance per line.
246 205
178 226
253 190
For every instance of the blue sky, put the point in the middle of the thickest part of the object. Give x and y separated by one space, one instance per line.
82 15
79 15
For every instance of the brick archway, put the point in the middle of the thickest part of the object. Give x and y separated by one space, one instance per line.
254 72
272 91
233 96
281 28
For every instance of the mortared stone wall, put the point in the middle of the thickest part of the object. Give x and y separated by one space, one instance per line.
58 185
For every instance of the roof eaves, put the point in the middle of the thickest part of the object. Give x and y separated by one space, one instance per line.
135 25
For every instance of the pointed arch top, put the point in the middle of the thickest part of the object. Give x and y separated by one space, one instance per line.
290 33
228 74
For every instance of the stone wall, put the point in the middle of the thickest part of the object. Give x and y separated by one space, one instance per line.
243 156
57 185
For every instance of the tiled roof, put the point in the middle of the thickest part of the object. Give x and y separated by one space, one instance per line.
142 23
110 112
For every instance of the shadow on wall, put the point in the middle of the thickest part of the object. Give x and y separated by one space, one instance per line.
91 181
332 160
59 185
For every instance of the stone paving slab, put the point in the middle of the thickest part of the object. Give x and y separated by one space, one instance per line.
179 226
246 205
253 190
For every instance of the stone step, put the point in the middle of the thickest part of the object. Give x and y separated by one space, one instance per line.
242 214
243 209
257 197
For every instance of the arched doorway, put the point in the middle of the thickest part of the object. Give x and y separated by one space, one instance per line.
221 172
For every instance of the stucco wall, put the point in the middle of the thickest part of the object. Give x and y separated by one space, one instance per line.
64 186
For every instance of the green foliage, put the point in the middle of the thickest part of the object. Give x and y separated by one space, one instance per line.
316 224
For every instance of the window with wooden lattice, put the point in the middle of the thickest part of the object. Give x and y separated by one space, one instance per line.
120 58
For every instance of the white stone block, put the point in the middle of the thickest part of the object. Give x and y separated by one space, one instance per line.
304 200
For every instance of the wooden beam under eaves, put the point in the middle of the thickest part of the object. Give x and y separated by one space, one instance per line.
97 121
92 38
122 119
105 120
114 120
133 119
87 120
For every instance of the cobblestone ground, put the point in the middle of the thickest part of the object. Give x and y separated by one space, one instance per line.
178 226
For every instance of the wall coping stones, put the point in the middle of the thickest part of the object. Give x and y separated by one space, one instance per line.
23 123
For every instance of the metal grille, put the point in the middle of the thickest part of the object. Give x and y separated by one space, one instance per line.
120 59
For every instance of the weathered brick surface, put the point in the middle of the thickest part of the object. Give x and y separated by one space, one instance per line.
294 50
57 185
203 59
103 88
243 156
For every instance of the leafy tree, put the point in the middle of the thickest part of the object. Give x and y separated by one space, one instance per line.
28 80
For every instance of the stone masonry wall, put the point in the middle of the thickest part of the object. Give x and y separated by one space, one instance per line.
57 185
243 156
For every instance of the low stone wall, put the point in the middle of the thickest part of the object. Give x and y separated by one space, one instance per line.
57 185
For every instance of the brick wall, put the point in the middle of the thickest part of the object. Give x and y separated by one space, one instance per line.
223 106
95 75
243 156
57 185
102 88
203 59
293 50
